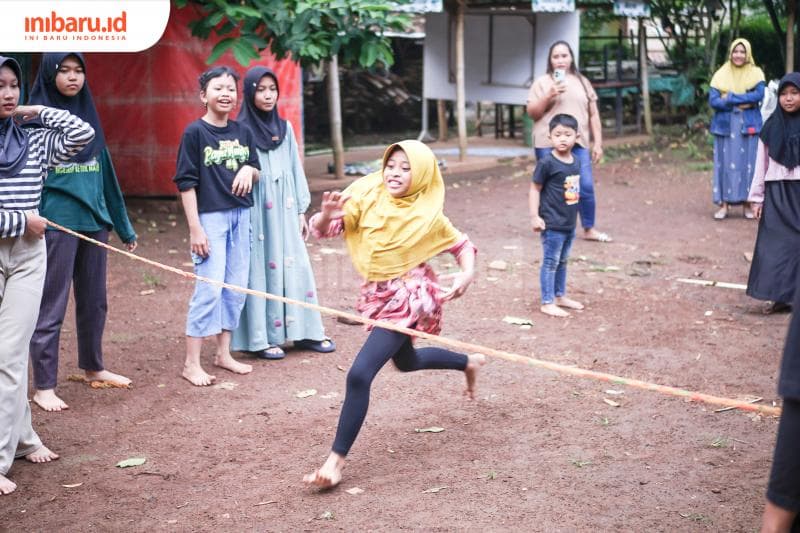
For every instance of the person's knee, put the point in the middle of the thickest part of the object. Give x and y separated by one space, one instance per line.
358 380
405 364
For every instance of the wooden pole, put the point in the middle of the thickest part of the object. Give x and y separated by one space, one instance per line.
441 118
791 15
335 115
645 83
461 108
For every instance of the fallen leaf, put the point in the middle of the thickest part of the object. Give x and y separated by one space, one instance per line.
612 403
327 515
306 393
525 326
133 461
614 392
432 429
517 321
226 385
161 385
173 521
330 395
355 491
172 251
76 377
748 256
456 185
72 486
187 264
498 264
147 292
491 278
433 490
340 367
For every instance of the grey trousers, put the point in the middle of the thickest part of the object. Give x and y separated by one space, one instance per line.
71 261
22 271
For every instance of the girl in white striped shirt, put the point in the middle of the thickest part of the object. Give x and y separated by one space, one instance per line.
25 158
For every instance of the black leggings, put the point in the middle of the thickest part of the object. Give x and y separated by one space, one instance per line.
784 482
381 346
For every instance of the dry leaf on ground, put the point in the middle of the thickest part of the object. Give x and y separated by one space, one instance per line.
612 403
432 429
355 491
133 461
433 490
306 393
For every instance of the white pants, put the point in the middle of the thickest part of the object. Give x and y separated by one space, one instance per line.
23 263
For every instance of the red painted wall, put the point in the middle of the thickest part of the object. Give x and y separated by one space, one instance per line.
146 99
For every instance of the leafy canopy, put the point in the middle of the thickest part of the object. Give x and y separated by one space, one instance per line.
308 31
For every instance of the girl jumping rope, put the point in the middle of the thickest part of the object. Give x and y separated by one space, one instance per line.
217 163
393 223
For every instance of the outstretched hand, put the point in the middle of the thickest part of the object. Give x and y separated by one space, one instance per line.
333 204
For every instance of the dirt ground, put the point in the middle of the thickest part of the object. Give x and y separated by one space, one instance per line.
536 451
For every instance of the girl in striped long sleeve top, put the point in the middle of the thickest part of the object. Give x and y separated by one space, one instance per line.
25 158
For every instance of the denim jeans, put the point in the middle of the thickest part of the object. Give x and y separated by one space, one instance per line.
212 308
555 253
587 204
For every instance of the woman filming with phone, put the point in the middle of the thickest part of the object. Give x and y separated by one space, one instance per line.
565 90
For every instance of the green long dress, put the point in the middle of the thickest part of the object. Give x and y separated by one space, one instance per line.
279 262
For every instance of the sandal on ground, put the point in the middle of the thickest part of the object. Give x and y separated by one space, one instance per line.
748 214
323 346
721 214
599 236
272 353
777 307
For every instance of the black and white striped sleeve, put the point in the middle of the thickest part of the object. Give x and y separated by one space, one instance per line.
65 135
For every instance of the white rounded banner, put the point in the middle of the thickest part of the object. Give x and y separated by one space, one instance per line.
85 25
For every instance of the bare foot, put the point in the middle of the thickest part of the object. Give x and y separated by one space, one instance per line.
47 400
553 310
329 475
197 376
563 301
42 455
474 363
110 377
592 234
6 485
229 363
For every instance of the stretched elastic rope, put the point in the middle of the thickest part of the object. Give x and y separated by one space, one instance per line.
459 345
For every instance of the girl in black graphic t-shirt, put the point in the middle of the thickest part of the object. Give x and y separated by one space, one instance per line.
217 163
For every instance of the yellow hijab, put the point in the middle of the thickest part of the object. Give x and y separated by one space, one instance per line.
732 79
389 236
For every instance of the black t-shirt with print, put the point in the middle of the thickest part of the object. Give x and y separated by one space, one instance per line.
560 182
209 158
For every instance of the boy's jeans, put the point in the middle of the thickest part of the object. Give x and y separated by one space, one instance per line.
555 253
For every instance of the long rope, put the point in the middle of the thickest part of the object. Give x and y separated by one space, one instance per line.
459 345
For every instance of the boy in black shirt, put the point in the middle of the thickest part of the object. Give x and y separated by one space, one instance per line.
553 202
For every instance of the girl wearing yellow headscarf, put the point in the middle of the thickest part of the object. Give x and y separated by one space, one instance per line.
393 223
735 94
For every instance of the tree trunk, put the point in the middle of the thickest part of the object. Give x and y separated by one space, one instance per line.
335 116
461 108
648 115
776 25
441 119
791 14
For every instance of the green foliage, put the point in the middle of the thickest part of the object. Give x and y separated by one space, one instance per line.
308 31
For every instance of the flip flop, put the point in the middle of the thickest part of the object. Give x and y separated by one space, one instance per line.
600 237
323 346
272 353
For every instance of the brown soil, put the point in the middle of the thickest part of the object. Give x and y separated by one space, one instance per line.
537 451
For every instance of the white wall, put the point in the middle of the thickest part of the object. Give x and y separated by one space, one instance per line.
520 54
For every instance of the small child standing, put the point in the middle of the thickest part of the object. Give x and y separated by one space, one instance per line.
217 163
553 202
774 197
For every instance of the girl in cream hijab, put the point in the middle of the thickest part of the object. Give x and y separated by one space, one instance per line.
393 223
735 95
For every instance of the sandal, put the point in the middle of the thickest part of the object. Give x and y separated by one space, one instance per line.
721 214
599 236
776 307
323 346
272 353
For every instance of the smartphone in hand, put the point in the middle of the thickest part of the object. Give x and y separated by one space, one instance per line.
559 75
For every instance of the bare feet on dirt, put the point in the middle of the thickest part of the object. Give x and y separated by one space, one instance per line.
42 455
110 377
474 363
329 475
553 310
47 400
229 363
197 376
6 485
563 301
